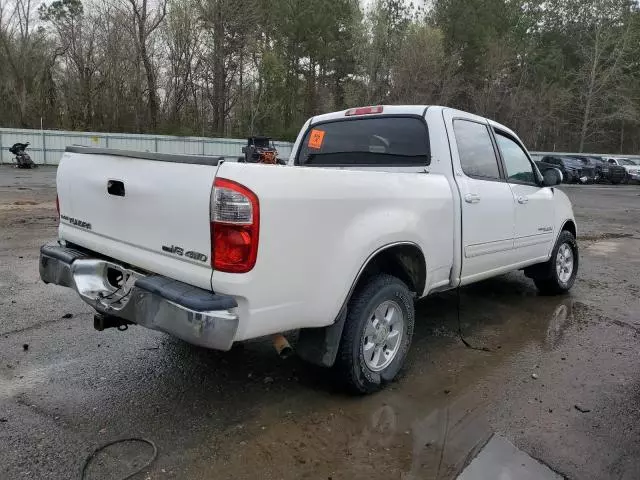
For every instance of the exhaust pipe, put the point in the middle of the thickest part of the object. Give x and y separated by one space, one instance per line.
281 344
101 322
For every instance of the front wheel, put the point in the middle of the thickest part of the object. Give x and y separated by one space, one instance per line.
559 274
377 334
568 177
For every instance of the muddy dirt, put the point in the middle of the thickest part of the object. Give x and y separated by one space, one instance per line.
247 414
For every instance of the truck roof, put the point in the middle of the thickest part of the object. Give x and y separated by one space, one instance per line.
407 110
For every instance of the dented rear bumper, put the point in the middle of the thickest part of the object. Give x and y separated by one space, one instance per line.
153 301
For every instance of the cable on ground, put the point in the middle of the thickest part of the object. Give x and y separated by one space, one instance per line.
91 456
462 339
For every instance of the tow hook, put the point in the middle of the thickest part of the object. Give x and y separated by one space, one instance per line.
101 322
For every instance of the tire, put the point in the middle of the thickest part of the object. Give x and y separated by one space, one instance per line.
554 279
396 313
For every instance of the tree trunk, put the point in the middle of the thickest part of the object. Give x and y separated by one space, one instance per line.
311 89
586 117
219 93
151 80
21 94
585 124
621 136
240 123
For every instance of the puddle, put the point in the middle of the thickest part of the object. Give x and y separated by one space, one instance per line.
445 440
431 423
559 322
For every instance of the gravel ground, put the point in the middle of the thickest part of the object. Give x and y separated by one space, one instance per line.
560 379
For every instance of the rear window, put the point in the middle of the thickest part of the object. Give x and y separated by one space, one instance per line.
387 141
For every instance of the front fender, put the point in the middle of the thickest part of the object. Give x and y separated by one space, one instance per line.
563 213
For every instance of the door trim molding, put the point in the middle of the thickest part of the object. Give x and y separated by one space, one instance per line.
479 249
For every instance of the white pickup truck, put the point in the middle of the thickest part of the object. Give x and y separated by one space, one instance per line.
377 207
632 167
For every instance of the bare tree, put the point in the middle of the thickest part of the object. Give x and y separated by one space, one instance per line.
228 24
22 50
145 21
601 74
422 71
76 43
184 62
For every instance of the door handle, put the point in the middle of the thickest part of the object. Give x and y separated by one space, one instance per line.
522 199
472 198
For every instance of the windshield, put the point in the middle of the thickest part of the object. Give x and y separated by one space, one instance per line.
572 162
374 141
626 161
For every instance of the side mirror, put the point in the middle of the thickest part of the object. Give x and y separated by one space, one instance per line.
551 177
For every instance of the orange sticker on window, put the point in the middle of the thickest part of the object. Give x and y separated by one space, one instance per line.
315 138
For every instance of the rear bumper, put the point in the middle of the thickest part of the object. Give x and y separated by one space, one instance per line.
159 303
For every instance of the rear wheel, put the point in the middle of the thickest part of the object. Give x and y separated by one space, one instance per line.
377 334
558 274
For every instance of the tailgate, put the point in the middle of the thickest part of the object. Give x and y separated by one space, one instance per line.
150 214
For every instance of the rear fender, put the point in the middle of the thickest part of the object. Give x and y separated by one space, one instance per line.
319 346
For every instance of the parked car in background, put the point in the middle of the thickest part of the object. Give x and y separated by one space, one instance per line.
571 168
588 168
608 172
604 172
631 167
591 168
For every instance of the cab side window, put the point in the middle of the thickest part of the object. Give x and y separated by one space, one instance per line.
477 156
517 164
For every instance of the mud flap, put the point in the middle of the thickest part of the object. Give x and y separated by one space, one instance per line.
319 346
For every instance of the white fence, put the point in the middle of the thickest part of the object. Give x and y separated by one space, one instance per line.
46 146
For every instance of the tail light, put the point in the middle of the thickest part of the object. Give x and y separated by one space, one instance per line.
235 224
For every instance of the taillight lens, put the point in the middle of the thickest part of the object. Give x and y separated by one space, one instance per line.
235 223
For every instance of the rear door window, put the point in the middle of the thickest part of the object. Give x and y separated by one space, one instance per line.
378 141
475 149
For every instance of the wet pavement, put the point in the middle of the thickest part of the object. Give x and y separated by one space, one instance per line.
560 379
